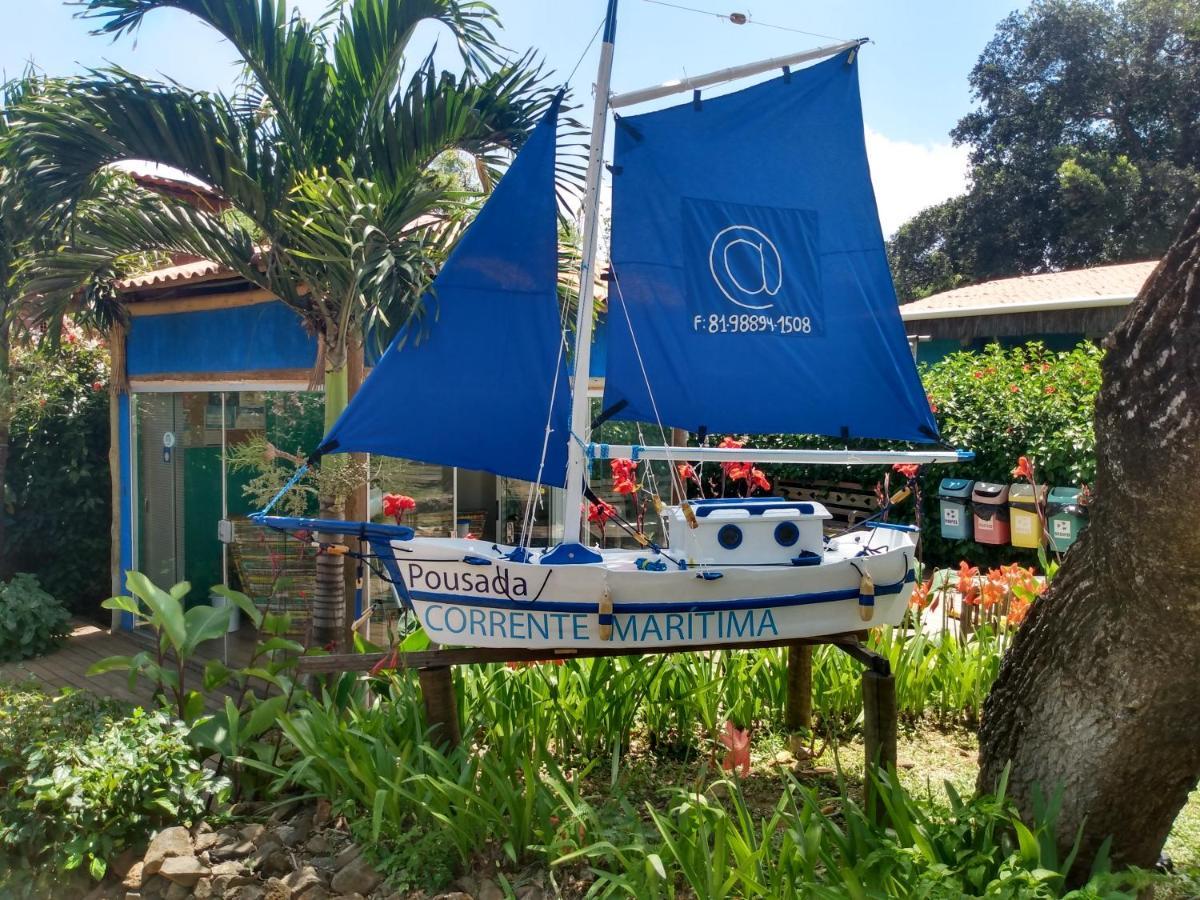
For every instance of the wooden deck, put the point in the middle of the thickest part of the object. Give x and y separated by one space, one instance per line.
89 643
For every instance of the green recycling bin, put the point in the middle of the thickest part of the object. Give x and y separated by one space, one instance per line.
1065 517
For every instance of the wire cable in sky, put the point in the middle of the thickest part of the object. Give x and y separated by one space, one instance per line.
743 19
585 51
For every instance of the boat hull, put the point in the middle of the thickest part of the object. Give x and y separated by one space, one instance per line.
467 593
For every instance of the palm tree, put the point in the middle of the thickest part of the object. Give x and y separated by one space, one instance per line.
323 153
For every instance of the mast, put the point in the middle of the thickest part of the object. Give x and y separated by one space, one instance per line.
580 422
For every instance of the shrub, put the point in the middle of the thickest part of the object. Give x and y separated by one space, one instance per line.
78 803
31 621
28 715
58 478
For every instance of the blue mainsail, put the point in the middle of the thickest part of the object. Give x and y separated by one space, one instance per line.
747 252
430 397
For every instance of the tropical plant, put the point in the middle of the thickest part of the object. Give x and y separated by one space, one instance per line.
325 155
79 803
31 621
179 634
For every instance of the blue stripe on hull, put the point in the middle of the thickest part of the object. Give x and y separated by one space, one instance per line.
681 606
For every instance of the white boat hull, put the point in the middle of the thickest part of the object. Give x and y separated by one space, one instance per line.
468 593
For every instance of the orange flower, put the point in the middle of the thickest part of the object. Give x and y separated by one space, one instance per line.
933 407
687 472
1051 389
600 513
1024 469
729 443
759 480
736 471
624 486
624 473
977 374
920 595
396 505
966 581
908 470
1014 389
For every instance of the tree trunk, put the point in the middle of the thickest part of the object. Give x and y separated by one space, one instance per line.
1099 693
329 590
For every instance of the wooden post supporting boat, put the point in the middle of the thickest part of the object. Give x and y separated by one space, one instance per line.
879 728
441 705
797 712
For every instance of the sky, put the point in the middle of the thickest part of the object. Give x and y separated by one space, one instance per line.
913 74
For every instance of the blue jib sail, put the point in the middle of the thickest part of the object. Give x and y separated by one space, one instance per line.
431 398
747 250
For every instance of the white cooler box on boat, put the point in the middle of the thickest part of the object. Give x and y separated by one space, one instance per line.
748 531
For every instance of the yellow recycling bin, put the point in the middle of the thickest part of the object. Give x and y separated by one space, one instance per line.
1025 522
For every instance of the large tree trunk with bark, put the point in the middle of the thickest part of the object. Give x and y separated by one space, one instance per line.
1100 692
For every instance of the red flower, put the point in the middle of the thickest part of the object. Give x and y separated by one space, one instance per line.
624 473
729 443
908 470
1051 389
920 595
1014 389
686 472
396 505
736 471
737 741
97 386
933 407
1024 469
600 513
977 374
759 480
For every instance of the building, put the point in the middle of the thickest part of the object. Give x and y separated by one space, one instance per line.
1058 308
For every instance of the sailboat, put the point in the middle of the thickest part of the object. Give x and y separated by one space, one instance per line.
749 293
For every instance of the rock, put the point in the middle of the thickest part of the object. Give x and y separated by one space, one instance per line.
278 862
245 892
347 856
177 892
132 895
133 878
124 861
489 890
530 892
317 892
203 889
318 844
466 885
253 832
303 880
324 863
358 877
184 870
202 827
229 868
154 887
302 825
783 758
277 890
285 835
167 844
454 895
354 896
206 841
905 764
237 850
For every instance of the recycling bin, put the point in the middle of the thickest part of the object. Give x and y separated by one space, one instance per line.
1065 517
954 496
1025 522
990 505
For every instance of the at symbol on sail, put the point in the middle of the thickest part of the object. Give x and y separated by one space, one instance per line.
745 249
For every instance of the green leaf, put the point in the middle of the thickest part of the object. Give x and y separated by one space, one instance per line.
203 623
166 611
263 717
415 642
123 604
241 601
113 664
97 867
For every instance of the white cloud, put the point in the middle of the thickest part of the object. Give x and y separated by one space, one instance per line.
909 177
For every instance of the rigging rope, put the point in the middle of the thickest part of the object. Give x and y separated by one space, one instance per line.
743 19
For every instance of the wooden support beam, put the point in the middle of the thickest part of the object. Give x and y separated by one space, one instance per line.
201 303
363 662
441 705
879 730
797 712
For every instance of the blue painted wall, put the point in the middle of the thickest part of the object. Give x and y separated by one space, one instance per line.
126 500
243 339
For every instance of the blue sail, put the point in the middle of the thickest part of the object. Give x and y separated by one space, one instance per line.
430 397
747 253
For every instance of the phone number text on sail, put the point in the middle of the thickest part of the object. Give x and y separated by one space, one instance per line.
751 323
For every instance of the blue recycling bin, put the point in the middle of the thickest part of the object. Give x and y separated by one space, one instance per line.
954 498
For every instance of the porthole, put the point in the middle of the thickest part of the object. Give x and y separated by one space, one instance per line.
729 537
786 534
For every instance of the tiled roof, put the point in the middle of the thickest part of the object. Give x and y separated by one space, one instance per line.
1076 288
203 270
